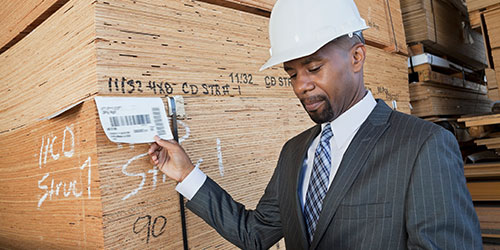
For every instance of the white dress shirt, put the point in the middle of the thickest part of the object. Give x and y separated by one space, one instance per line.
344 129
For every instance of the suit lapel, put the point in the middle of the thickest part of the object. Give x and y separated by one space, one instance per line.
353 161
296 160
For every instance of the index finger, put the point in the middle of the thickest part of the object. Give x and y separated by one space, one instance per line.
154 147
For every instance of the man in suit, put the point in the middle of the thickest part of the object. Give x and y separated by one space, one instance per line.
365 177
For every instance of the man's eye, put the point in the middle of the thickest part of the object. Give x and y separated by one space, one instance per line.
314 69
293 76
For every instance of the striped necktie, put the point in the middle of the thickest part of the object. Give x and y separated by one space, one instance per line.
318 184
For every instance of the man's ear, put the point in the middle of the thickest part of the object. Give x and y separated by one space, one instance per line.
358 54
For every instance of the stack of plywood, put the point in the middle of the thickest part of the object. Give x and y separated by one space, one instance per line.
493 91
478 7
65 185
21 17
485 15
492 28
437 91
483 179
443 29
383 16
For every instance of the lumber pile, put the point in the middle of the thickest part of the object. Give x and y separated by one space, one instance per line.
439 25
18 18
383 16
485 17
65 185
483 172
447 58
439 90
491 79
477 7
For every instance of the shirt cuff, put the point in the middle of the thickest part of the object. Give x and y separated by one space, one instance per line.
191 184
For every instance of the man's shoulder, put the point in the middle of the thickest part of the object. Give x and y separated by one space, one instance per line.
407 125
304 136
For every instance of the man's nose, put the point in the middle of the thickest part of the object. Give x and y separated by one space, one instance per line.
303 83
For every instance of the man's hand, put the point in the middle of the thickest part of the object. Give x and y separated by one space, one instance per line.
171 158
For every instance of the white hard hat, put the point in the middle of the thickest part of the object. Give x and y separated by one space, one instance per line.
299 28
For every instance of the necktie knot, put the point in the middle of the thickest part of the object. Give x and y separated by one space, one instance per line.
327 133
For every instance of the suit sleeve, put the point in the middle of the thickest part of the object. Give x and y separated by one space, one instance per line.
440 213
247 229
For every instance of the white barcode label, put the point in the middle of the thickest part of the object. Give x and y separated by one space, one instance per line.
158 123
129 120
133 119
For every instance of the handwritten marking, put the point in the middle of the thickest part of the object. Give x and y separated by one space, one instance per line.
130 86
72 151
44 187
55 188
47 147
188 131
151 227
154 171
51 150
198 163
143 175
272 81
219 156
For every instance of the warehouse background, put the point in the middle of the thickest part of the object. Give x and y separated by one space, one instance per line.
64 184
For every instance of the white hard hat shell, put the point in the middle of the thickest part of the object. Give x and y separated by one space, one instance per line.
299 28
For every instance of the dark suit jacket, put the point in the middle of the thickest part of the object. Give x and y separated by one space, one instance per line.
400 185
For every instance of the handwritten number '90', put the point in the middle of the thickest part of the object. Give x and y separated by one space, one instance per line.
151 229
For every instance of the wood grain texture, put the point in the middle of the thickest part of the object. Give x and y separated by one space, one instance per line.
19 18
493 91
383 16
53 67
438 25
47 197
482 170
431 99
473 5
183 48
484 191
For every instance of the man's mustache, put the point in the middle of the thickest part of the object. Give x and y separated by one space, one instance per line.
313 99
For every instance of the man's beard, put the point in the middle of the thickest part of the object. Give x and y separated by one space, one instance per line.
325 115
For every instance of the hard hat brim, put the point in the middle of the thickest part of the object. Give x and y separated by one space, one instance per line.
304 50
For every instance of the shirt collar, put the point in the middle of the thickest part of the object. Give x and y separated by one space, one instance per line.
350 121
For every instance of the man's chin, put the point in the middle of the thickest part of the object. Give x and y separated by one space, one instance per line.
320 117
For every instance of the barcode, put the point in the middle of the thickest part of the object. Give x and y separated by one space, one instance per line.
158 122
129 120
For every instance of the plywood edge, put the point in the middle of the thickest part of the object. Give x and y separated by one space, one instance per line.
50 195
29 22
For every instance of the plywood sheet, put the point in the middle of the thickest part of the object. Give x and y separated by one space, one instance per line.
18 18
430 99
438 25
53 67
384 17
473 5
49 184
484 191
492 19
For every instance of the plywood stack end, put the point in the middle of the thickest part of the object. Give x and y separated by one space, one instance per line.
384 18
491 79
64 184
492 28
485 16
483 178
443 29
439 90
